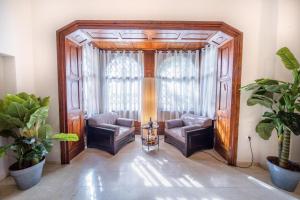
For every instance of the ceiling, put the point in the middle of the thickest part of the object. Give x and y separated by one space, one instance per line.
148 39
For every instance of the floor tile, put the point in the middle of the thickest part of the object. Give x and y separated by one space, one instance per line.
133 173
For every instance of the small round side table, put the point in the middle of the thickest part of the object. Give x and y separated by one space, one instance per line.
150 138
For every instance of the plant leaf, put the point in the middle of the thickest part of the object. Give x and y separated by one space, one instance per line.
8 122
288 58
23 95
1 105
29 140
3 149
269 114
45 101
72 137
266 81
297 107
48 144
264 128
44 131
263 92
39 115
276 88
13 98
250 86
260 99
17 110
290 120
30 104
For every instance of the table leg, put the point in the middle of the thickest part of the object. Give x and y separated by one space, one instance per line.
148 138
158 141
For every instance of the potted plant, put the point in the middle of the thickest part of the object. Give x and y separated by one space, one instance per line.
281 100
23 118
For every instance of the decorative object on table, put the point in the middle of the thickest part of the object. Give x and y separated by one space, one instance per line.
150 138
23 118
150 123
190 133
109 132
281 99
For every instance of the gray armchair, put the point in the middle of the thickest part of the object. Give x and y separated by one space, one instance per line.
108 132
190 133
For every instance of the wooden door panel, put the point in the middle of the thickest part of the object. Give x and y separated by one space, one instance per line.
224 92
74 95
75 125
75 122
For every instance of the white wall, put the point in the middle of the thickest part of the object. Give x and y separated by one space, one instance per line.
259 20
4 160
288 34
16 51
16 39
7 85
7 75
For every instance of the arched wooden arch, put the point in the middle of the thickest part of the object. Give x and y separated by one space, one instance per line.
230 58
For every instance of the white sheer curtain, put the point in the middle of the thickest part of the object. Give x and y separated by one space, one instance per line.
91 80
122 82
208 81
177 81
184 84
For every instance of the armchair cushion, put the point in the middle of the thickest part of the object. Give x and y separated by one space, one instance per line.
174 123
115 128
125 122
191 119
176 133
94 121
123 132
107 118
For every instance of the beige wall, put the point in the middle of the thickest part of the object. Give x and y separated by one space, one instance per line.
259 20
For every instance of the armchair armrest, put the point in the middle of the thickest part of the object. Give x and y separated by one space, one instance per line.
190 128
112 127
174 123
125 122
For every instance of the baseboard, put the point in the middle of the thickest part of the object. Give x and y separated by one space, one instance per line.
245 164
52 162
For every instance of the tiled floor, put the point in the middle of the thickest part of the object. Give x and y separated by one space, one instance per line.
159 175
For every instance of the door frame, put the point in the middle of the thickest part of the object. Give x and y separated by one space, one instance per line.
237 37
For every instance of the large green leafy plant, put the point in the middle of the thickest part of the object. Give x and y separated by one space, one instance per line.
281 99
23 118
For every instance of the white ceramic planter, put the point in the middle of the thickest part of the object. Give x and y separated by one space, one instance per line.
26 178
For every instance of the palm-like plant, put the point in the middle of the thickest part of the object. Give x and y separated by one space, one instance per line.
282 102
23 117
